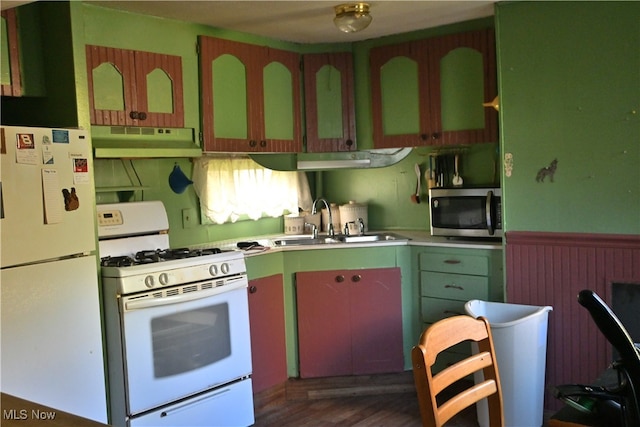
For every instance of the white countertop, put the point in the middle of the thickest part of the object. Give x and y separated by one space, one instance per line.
412 238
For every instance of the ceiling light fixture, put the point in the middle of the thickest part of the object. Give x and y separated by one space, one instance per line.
352 17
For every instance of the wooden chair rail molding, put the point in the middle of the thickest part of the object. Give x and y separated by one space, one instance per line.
544 268
573 239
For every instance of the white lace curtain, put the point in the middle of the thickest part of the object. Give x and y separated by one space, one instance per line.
231 187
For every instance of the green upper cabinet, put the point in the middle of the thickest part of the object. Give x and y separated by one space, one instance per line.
10 55
399 96
329 102
250 97
134 88
463 77
21 53
431 92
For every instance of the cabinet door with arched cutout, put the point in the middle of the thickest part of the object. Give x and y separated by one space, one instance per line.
400 95
134 88
462 76
250 97
329 102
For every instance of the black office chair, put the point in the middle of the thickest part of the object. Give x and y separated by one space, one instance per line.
617 405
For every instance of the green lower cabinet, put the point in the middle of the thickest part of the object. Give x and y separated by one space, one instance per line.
349 322
290 263
449 277
434 309
460 287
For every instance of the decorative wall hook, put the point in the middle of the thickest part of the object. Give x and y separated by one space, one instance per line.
547 171
495 104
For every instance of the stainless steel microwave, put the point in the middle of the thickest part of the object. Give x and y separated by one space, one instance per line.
466 212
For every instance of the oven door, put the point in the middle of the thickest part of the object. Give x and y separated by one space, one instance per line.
182 340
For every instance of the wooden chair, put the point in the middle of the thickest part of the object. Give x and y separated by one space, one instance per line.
441 336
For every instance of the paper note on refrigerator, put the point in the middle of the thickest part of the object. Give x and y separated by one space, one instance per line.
26 149
80 170
47 151
52 196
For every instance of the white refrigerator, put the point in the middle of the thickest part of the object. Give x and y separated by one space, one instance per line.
51 347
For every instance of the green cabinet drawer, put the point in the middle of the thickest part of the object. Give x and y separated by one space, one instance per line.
454 286
455 263
434 309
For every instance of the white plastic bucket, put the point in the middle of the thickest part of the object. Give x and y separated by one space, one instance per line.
520 340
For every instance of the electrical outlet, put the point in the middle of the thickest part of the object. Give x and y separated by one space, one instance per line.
188 218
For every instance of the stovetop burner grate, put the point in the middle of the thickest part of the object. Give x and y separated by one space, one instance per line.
156 255
117 261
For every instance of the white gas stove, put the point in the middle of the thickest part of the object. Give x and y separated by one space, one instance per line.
134 247
177 324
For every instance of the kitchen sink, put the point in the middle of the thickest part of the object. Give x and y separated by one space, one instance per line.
293 241
341 238
369 238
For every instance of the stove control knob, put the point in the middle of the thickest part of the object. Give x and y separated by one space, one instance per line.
213 270
164 279
149 282
224 268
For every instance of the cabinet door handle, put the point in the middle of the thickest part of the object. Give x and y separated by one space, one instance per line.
253 143
424 136
340 278
454 286
356 278
142 115
133 115
263 143
349 143
253 289
452 261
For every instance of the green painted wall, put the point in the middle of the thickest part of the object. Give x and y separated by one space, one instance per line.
569 90
387 191
93 24
569 79
101 26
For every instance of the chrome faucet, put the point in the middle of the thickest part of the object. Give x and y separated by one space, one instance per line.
314 210
314 229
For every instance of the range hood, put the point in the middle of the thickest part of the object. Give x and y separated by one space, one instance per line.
364 159
143 142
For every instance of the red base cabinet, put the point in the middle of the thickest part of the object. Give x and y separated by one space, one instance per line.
266 316
349 322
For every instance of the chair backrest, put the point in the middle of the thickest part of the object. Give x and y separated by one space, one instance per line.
439 337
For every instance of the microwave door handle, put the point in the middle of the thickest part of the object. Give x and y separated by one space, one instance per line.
488 212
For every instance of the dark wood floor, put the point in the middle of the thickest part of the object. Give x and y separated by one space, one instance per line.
347 401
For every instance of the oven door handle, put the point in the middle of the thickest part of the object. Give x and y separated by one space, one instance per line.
142 303
189 405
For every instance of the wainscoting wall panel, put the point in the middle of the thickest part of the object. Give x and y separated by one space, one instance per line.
550 269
